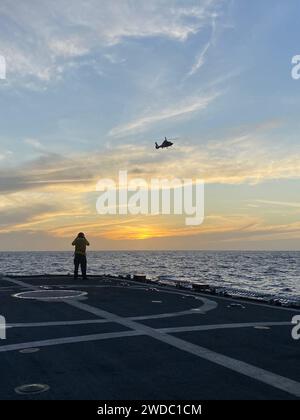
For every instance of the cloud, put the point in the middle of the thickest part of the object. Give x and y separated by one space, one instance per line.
36 144
21 214
248 157
6 155
200 59
262 231
37 40
114 59
278 203
57 195
181 110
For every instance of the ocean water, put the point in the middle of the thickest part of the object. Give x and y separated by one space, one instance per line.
274 274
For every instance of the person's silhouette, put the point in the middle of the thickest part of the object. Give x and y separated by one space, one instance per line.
80 244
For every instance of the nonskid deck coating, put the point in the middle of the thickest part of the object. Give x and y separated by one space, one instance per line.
161 342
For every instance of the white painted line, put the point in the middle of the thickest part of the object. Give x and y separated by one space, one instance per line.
49 295
30 350
285 384
201 310
21 283
208 304
170 315
262 327
219 297
222 326
105 336
187 293
30 389
67 340
166 330
56 323
262 375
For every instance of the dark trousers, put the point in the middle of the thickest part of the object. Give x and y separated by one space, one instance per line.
80 260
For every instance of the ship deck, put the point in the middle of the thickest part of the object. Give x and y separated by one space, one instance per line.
110 339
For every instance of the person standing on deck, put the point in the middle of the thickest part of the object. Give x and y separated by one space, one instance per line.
80 244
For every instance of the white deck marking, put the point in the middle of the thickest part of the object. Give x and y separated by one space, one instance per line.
47 295
262 375
166 315
161 316
106 336
56 323
165 330
21 283
67 340
221 326
168 289
219 297
207 306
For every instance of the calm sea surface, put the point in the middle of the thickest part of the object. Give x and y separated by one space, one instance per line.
271 273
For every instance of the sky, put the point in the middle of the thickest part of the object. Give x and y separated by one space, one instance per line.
90 86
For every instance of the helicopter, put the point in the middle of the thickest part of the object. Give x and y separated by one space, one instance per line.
166 143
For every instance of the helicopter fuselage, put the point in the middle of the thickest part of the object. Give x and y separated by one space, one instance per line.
166 143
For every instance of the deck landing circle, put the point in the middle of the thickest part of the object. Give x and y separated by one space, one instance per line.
50 294
31 389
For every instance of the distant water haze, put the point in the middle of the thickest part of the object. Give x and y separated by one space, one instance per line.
272 273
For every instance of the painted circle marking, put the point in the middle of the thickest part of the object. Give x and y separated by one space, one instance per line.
262 327
31 389
50 294
30 350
